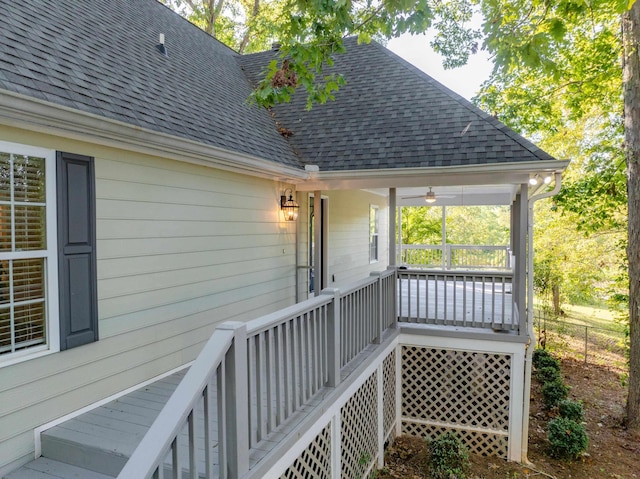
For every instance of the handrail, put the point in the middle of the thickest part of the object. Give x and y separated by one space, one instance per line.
252 377
267 321
457 298
454 256
150 453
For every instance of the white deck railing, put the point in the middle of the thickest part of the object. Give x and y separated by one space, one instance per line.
250 378
456 256
460 298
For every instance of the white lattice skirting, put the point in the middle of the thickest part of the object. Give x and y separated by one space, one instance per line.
423 389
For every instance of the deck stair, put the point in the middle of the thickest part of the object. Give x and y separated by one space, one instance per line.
97 444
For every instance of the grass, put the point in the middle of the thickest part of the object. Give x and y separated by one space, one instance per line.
585 333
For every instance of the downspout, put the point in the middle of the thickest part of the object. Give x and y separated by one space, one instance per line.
531 335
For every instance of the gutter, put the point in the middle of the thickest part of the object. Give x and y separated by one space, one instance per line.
481 174
21 111
530 333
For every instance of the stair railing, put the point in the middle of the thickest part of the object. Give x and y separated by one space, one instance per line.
252 377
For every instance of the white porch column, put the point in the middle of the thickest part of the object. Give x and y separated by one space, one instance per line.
520 209
392 227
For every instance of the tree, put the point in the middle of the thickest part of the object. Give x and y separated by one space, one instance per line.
245 25
631 80
567 52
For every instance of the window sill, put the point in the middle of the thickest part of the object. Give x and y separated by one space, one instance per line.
27 355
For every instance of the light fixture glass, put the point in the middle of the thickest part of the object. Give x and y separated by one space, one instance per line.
533 181
288 206
547 179
430 197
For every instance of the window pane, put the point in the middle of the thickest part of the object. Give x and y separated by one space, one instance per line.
4 282
5 177
5 227
30 227
29 324
28 279
5 329
28 179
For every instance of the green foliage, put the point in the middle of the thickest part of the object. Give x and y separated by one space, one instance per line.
449 457
553 392
572 410
543 358
567 438
548 374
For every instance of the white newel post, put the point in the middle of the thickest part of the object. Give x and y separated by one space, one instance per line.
334 345
235 436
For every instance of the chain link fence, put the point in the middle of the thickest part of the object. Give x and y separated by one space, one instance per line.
591 344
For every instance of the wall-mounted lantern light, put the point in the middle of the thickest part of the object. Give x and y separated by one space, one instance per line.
288 206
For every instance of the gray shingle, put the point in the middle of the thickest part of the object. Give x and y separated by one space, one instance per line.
103 53
404 116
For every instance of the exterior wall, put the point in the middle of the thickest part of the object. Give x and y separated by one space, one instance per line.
348 237
180 248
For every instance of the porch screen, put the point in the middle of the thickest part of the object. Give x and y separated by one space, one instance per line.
23 252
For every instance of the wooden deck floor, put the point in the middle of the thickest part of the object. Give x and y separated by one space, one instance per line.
456 303
97 444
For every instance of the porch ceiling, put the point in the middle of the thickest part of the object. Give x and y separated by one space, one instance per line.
457 195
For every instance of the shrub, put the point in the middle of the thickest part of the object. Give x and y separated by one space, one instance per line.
449 457
545 361
548 374
538 355
569 409
553 392
567 438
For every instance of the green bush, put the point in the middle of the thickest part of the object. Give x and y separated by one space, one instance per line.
548 374
538 355
449 457
553 392
567 438
569 409
545 361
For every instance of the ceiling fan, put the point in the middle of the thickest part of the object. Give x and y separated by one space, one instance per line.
429 197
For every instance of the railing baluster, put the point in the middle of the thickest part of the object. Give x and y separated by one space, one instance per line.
223 440
207 399
175 460
289 385
270 377
280 371
193 467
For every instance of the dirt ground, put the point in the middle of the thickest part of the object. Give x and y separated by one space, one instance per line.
612 453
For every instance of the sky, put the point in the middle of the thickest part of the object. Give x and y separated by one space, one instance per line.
465 81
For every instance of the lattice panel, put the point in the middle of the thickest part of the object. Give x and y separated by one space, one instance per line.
456 387
315 460
483 443
389 391
359 430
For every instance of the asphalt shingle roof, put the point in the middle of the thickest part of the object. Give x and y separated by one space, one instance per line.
392 115
102 57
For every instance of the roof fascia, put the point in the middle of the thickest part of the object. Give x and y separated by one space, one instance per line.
32 114
483 174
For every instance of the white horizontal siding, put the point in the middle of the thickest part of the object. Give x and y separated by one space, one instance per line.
349 235
180 248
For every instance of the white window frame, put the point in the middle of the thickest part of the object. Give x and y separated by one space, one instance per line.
52 320
374 231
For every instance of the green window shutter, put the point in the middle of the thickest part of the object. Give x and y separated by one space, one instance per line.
77 275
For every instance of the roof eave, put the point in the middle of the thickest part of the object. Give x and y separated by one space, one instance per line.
30 113
480 174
